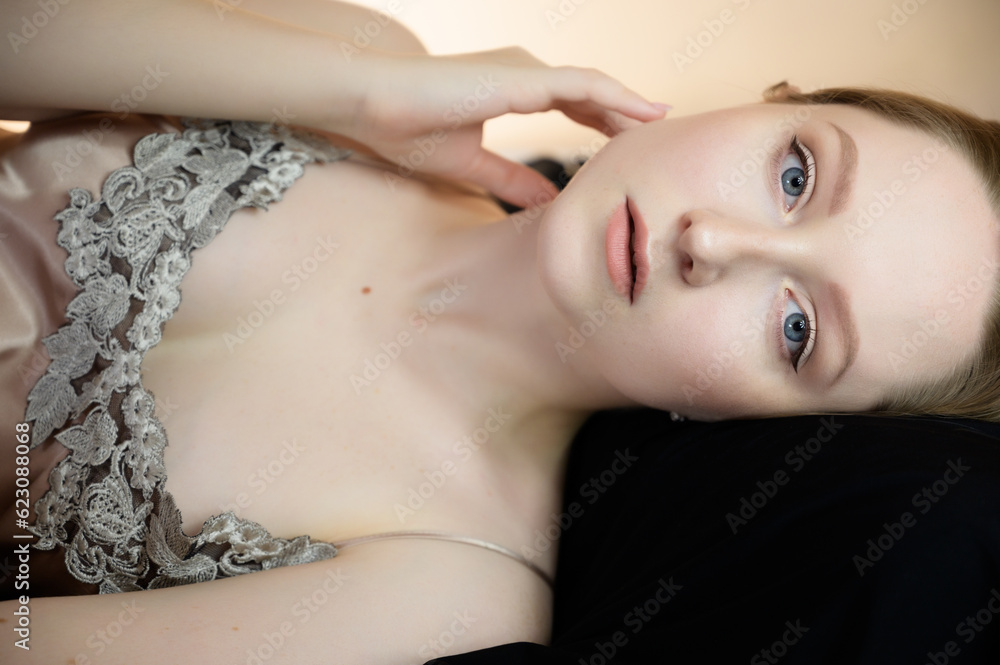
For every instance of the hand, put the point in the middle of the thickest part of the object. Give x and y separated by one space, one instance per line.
426 113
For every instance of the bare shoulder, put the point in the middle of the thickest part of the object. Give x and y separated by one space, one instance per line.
386 602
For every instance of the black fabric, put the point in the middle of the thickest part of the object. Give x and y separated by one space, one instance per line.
879 544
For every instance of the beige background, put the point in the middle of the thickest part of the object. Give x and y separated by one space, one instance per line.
948 49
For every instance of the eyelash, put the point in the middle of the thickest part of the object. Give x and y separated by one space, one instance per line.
808 162
806 158
807 343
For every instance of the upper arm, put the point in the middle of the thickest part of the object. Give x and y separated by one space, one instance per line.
360 26
342 20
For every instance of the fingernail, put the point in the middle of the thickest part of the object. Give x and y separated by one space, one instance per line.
662 107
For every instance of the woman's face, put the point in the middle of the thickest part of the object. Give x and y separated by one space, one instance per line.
776 236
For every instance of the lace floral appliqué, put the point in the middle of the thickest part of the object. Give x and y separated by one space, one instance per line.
107 504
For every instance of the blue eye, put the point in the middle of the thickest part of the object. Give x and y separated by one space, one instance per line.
793 181
796 171
797 331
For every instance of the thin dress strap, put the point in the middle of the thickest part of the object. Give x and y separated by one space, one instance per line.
441 535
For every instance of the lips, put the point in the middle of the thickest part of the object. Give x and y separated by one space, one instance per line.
625 246
617 245
640 258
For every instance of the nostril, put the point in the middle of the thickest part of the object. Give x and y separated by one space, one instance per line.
684 249
687 267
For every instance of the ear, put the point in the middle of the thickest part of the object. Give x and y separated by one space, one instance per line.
781 92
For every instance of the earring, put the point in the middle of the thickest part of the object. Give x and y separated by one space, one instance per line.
676 417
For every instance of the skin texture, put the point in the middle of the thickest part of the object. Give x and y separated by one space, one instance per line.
916 271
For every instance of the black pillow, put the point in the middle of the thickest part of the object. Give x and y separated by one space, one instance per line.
844 539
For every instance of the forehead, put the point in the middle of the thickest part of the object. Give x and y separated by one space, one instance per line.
917 246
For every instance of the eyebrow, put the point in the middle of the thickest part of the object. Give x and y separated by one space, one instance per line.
848 328
848 167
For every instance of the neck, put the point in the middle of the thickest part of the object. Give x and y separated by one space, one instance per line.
497 342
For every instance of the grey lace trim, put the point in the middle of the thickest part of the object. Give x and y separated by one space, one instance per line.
107 504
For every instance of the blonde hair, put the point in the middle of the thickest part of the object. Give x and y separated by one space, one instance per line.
972 390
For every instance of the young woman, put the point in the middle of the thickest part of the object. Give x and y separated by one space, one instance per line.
380 352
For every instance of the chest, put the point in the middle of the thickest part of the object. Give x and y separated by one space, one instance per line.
279 380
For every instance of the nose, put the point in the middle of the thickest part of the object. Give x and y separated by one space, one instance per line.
712 244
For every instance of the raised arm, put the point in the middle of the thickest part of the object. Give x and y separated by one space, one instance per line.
208 58
179 57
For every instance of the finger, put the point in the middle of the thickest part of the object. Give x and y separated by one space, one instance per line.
593 85
515 183
616 123
609 123
564 87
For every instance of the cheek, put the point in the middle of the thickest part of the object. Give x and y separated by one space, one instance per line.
685 162
709 337
694 353
718 371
